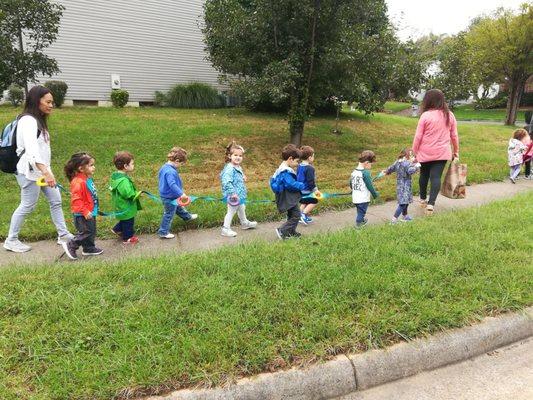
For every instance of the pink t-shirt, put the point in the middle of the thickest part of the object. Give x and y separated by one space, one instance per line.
433 137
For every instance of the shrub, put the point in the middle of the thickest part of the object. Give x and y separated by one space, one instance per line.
160 99
59 90
16 95
119 97
192 95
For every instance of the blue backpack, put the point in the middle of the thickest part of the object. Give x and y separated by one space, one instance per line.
8 147
275 184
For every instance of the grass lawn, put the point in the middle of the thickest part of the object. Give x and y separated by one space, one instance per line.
139 326
150 132
396 106
467 112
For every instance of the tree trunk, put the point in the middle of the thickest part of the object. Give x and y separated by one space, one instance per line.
296 128
515 95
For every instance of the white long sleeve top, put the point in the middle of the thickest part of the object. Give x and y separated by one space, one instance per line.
36 149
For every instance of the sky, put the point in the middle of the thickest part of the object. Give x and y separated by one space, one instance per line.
416 18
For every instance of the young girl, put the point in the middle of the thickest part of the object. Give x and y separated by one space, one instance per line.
515 151
404 167
83 204
232 179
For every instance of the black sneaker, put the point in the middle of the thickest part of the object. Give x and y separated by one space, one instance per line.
361 224
70 251
95 251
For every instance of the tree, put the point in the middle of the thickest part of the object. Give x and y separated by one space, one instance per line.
456 77
502 46
408 72
28 27
299 52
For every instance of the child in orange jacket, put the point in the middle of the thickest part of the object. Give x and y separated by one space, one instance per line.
83 204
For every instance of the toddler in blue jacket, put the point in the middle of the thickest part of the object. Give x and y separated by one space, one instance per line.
232 179
306 175
288 191
171 189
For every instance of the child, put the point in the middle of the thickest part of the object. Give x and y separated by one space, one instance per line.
306 175
288 191
528 154
232 179
125 197
171 189
404 167
516 150
84 205
362 187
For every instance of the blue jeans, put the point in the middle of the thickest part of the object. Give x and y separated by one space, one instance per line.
402 209
361 212
126 227
171 209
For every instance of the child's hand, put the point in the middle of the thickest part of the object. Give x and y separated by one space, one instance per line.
234 197
89 215
383 172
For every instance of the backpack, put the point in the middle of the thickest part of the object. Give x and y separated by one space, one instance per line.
8 148
275 184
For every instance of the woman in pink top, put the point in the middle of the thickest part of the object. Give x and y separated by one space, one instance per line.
436 131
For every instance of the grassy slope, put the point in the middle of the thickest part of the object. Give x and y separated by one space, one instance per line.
149 133
396 106
90 333
467 112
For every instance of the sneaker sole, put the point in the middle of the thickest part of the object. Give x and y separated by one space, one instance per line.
65 247
248 227
90 254
278 234
16 250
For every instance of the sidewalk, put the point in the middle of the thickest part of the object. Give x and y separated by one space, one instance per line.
205 239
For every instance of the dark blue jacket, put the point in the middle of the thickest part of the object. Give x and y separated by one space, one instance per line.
306 175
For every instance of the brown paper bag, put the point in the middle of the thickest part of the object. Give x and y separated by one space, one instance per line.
454 184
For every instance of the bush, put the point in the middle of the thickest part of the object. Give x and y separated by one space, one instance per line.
59 90
500 101
192 95
119 97
160 99
16 95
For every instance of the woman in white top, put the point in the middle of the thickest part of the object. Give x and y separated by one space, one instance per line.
33 148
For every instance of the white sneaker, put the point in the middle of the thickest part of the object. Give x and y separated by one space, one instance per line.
16 246
228 232
167 236
193 216
64 238
249 225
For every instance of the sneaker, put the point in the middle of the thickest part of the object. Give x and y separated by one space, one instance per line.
249 225
119 234
407 218
303 219
429 210
167 236
280 235
65 238
16 246
193 216
394 221
528 177
228 232
308 219
92 252
361 224
131 240
295 235
70 251
513 180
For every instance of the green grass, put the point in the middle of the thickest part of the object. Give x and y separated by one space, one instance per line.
139 326
467 112
150 132
396 106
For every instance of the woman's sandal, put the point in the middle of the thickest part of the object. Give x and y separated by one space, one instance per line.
429 210
423 203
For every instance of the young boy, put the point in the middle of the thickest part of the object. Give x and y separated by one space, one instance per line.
288 191
171 189
362 187
125 197
306 175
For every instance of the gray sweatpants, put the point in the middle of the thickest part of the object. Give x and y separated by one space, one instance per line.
29 195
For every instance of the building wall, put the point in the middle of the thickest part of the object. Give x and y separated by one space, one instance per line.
151 44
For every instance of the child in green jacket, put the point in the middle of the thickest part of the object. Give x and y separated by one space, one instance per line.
125 197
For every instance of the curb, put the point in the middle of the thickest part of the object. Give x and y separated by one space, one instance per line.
346 374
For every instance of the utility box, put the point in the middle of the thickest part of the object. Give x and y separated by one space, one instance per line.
115 81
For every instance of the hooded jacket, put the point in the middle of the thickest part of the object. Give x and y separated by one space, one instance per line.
124 196
290 194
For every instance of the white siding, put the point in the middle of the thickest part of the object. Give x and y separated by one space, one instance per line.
151 44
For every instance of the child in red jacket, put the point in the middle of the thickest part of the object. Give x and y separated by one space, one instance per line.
83 204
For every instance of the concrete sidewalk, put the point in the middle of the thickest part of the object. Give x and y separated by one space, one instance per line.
204 239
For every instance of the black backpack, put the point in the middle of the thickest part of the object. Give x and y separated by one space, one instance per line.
8 147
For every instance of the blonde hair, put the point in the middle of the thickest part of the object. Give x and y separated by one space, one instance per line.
177 154
230 148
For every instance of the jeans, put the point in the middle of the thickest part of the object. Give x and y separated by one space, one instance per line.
431 171
361 212
171 209
293 217
126 228
402 209
29 195
515 171
86 233
240 210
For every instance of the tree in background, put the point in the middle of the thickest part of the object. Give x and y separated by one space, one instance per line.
408 72
28 27
502 47
296 53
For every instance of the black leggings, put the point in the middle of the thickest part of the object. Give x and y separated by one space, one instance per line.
430 171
